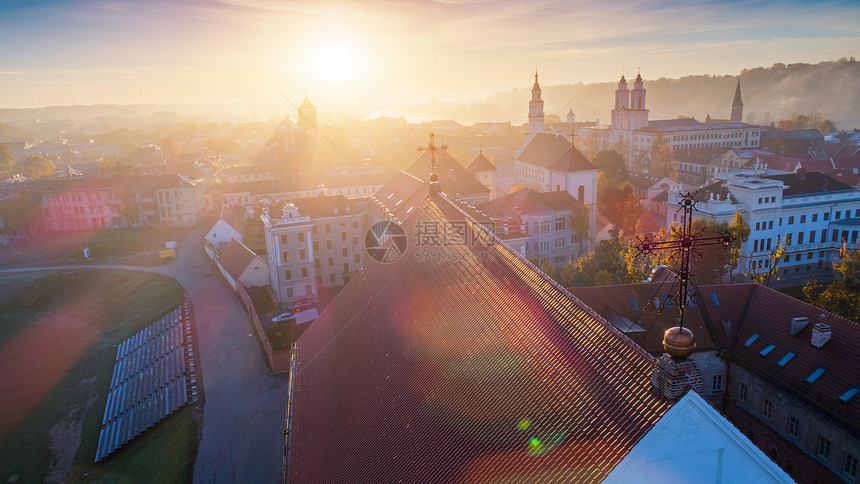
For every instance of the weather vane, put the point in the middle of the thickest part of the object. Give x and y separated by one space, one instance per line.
685 242
432 148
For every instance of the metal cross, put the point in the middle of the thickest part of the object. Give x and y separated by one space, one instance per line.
685 242
432 148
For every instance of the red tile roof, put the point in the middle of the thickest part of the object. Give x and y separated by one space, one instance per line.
453 177
234 215
480 163
401 193
544 150
235 258
754 309
475 368
572 160
527 200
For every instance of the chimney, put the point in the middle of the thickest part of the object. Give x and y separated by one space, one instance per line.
820 334
797 324
801 174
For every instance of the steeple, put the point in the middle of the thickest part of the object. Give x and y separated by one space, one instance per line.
737 104
536 109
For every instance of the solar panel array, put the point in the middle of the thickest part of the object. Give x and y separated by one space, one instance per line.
153 376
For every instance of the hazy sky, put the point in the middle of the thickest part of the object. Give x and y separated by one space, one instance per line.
376 55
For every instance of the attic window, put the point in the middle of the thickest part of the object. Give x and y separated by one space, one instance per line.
715 300
389 196
849 394
751 340
815 374
410 210
398 203
767 349
785 359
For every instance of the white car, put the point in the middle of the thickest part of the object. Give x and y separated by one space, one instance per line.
284 318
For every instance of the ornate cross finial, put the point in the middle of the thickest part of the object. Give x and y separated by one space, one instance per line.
685 242
432 148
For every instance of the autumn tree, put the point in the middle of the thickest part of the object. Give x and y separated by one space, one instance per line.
807 121
663 162
17 214
612 165
842 295
740 233
580 223
7 162
770 268
37 166
621 207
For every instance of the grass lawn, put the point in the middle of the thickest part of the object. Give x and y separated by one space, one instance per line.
58 337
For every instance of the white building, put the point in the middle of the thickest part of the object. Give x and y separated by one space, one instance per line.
631 128
811 213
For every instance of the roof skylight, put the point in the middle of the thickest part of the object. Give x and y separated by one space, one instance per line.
767 349
751 340
715 300
785 359
815 375
849 394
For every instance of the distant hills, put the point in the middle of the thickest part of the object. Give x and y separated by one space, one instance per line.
769 94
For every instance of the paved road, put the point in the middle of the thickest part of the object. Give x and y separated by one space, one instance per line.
245 407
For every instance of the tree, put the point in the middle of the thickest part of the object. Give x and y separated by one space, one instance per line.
7 162
37 166
741 233
770 271
807 121
842 295
17 214
169 146
612 165
663 161
580 223
621 207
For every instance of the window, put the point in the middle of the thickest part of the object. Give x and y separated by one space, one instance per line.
544 227
742 393
345 253
559 242
788 239
559 223
791 220
355 240
285 256
849 394
717 383
823 447
309 290
328 244
849 465
354 225
800 238
815 375
316 245
770 224
331 261
757 224
303 254
346 267
343 236
317 263
803 219
791 427
314 229
838 215
811 236
826 215
766 407
785 359
284 239
751 340
331 277
301 236
288 275
357 258
289 292
327 228
715 299
304 272
815 217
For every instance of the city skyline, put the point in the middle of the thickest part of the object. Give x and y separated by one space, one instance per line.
382 54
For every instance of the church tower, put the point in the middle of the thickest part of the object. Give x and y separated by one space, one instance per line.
536 109
571 118
308 116
622 104
639 115
737 105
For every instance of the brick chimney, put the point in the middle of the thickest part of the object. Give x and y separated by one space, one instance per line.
673 377
820 334
797 325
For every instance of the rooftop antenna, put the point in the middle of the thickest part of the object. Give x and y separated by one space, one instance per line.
678 341
432 148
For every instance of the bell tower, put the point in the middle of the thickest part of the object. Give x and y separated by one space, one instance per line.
536 109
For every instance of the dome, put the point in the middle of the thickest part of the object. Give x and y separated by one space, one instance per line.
679 342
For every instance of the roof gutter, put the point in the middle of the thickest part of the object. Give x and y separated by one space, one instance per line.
285 472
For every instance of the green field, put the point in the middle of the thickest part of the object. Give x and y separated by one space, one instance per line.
58 337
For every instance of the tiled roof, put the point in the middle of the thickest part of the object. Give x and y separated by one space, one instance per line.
812 182
323 206
572 160
471 368
402 193
643 311
529 201
758 310
234 215
235 257
792 134
480 163
453 177
544 150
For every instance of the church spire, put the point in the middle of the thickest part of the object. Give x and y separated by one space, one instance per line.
737 104
536 109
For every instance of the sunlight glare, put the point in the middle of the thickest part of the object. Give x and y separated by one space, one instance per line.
335 62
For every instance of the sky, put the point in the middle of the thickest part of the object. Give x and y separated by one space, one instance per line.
376 55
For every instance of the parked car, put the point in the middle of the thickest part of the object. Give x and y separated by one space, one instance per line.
300 306
284 318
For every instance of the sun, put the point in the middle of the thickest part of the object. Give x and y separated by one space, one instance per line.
335 62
